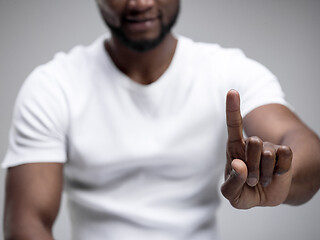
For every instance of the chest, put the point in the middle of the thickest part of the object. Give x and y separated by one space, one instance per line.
177 133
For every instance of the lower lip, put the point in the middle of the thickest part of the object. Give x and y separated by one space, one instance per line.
141 26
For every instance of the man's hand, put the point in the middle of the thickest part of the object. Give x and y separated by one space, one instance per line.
257 173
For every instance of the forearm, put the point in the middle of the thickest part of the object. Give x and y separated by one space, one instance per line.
305 146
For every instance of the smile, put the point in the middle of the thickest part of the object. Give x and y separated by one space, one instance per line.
139 20
140 25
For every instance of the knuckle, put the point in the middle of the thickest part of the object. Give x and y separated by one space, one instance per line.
234 123
268 154
286 150
284 155
255 141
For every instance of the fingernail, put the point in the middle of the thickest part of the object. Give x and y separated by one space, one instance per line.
265 182
279 172
234 173
252 181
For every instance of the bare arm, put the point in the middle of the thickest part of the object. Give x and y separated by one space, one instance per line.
277 124
278 163
32 201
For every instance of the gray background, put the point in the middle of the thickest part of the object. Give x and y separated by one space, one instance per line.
284 35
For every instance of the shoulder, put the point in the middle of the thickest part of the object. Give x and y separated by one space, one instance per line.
65 69
79 59
210 51
229 63
212 58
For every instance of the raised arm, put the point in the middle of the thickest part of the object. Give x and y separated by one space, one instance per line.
278 163
33 193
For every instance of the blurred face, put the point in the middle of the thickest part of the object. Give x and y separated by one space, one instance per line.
139 24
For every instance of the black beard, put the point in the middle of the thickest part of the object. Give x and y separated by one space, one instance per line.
143 45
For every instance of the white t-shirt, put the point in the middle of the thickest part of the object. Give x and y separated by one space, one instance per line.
141 161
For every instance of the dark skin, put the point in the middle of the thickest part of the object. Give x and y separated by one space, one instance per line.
146 67
33 193
281 165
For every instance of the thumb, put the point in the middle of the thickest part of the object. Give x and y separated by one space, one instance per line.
231 189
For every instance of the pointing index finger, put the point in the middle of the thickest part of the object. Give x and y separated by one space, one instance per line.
233 115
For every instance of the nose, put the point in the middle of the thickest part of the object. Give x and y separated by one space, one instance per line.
140 5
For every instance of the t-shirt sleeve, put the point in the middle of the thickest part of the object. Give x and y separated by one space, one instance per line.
255 83
39 125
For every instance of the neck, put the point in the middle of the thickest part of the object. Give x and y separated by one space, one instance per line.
146 67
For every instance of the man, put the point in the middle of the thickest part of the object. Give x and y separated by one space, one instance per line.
134 125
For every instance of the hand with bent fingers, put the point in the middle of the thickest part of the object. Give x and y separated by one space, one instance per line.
257 173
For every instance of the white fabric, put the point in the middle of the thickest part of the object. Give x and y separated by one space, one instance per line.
141 162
